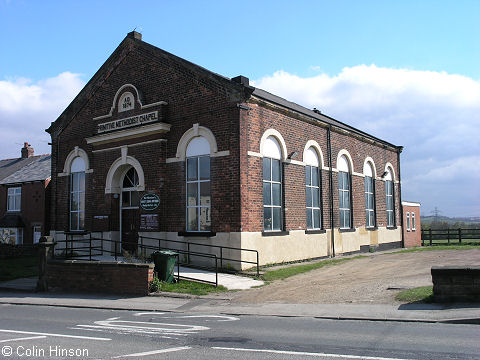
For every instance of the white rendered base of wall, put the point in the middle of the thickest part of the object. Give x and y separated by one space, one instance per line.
297 245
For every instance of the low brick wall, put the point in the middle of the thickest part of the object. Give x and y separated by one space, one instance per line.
100 276
456 283
14 251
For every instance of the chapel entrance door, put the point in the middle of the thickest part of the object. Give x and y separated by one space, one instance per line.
130 213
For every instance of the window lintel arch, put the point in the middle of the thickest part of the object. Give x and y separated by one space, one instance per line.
389 168
345 153
278 137
369 162
189 135
313 144
117 171
72 155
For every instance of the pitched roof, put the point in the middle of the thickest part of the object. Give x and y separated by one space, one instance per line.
133 39
34 168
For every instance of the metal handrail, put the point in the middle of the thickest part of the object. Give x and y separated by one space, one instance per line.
101 250
221 247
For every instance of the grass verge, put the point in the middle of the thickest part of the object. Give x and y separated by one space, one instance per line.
286 272
186 287
18 268
419 294
440 247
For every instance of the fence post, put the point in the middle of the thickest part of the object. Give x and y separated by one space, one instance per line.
460 236
448 236
258 267
188 253
141 245
430 231
90 248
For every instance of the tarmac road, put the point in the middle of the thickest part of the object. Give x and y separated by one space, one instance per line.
43 332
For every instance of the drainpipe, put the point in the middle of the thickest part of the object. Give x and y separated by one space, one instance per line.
330 183
399 150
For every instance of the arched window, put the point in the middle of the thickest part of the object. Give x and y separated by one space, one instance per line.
370 219
272 185
198 206
77 194
313 189
344 192
390 198
130 184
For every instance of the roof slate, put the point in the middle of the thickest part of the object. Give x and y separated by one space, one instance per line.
34 168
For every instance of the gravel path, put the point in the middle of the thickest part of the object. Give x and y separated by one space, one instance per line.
364 280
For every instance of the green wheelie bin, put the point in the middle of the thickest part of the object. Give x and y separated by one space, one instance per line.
165 261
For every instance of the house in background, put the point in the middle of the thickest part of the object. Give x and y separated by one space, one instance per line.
412 233
24 197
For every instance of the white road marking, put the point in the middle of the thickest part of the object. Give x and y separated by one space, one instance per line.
148 313
56 335
128 329
154 352
223 317
24 338
146 327
308 354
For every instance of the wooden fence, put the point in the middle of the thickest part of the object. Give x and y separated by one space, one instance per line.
450 236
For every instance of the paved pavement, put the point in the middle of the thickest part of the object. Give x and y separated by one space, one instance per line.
230 281
454 313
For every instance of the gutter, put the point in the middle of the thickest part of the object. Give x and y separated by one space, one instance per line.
399 150
330 185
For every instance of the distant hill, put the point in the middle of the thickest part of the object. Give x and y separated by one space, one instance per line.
450 220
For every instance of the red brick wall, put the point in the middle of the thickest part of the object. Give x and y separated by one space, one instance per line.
296 132
100 277
33 207
412 238
192 98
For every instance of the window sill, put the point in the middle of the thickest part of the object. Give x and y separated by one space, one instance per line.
347 230
315 231
371 228
391 227
197 234
275 233
75 233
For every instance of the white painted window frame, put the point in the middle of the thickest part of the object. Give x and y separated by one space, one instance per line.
14 194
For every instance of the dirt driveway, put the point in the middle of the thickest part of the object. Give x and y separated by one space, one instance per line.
364 280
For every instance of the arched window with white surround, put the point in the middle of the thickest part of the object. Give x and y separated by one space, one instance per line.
77 194
313 189
344 192
369 173
272 185
390 198
198 207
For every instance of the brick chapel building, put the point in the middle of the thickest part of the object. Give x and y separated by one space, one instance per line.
157 146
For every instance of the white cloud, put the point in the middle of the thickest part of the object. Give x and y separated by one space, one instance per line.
27 108
435 115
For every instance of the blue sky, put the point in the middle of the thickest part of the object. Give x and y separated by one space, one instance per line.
406 71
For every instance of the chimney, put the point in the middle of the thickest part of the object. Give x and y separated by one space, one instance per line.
241 80
135 35
27 150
